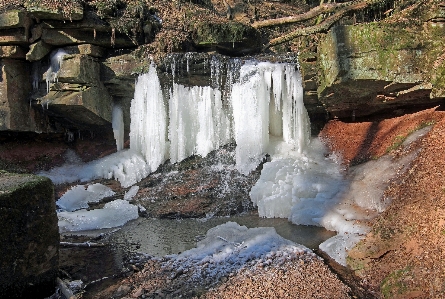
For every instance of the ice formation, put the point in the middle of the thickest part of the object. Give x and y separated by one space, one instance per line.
228 247
309 188
115 213
117 122
266 99
56 58
78 196
131 192
260 107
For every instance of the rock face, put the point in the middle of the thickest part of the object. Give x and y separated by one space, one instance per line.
381 66
62 71
30 237
353 71
14 106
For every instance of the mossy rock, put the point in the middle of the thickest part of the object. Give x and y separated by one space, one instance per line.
29 234
229 37
382 66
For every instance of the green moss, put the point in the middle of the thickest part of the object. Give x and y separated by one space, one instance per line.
398 140
355 264
395 283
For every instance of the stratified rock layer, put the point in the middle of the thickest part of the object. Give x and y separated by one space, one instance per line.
380 66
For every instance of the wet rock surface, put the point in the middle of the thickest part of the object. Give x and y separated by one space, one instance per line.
197 187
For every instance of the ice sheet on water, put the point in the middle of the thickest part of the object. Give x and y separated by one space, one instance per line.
79 196
229 246
115 213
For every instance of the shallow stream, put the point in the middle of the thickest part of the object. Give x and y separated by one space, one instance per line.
150 237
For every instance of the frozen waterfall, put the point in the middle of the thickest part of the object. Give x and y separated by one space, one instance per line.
262 110
259 106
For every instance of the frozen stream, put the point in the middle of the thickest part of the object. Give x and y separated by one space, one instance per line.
159 237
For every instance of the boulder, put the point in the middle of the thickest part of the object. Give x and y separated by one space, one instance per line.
81 107
14 19
30 236
87 49
230 38
14 36
82 69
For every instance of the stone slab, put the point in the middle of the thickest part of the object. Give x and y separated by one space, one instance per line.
89 107
68 37
14 19
14 52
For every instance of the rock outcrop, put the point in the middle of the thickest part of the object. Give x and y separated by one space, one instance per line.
63 70
384 66
30 236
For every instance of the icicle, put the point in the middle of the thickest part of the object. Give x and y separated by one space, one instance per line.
149 120
251 117
117 122
56 58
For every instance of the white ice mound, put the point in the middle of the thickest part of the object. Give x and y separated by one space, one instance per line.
78 197
115 213
126 166
298 186
309 188
229 247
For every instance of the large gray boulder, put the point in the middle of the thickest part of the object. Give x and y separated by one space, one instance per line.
30 237
382 66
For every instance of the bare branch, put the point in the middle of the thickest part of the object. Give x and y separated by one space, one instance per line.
316 11
323 26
